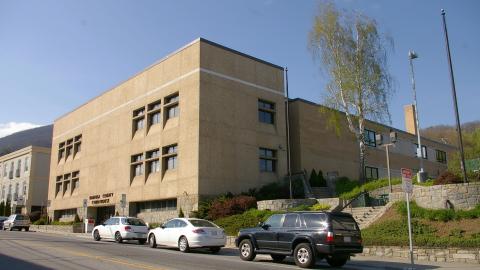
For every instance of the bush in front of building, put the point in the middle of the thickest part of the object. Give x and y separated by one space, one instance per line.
344 184
40 221
279 190
369 186
223 207
446 178
247 219
317 180
437 214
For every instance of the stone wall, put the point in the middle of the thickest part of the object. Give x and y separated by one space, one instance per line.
462 255
158 216
384 190
284 204
461 196
56 228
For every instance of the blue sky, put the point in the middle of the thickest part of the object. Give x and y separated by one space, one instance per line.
55 55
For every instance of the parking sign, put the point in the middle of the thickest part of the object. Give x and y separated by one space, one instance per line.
407 180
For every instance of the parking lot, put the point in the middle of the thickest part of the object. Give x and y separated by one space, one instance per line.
35 250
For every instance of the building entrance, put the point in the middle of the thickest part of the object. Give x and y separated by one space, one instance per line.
104 213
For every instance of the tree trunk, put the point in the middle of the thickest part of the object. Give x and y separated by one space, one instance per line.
361 168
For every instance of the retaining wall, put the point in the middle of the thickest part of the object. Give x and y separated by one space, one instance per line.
284 204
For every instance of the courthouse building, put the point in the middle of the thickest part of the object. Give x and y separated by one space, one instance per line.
24 179
204 120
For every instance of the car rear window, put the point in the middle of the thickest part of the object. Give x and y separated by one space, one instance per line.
343 223
315 220
134 222
201 223
21 217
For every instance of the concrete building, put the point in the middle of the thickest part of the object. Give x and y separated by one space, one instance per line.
24 179
316 144
204 120
195 124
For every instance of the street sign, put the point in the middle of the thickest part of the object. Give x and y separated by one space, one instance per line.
85 203
407 180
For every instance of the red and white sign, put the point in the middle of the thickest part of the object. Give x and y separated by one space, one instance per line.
407 180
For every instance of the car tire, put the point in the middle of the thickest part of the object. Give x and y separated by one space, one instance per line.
142 241
118 237
277 257
27 229
247 252
215 250
304 256
337 261
10 228
96 235
183 245
152 241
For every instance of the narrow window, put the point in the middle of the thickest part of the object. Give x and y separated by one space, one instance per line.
138 120
77 147
268 160
266 112
27 161
170 157
153 162
424 151
369 136
136 167
154 113
441 156
371 173
171 107
75 181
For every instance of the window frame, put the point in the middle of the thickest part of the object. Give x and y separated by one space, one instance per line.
266 107
367 137
371 169
266 158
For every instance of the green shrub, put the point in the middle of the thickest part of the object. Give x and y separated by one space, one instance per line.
320 207
224 207
62 223
447 177
154 225
369 186
40 222
300 208
180 213
317 180
437 215
343 185
279 190
248 219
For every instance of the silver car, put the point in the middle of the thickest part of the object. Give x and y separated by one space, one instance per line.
17 221
2 219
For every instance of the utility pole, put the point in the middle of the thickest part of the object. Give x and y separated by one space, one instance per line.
454 94
287 124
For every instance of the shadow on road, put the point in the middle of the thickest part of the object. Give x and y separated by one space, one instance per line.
17 264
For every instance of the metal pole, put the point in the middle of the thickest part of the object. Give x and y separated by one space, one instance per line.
287 117
388 169
409 229
454 94
417 125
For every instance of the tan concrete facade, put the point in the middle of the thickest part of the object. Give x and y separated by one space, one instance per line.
24 179
316 145
215 129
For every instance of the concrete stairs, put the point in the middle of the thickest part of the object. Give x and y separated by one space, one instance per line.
367 215
321 192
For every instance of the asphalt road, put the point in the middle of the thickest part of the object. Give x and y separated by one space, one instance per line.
42 251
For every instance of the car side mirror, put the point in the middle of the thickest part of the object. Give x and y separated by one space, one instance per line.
265 226
260 224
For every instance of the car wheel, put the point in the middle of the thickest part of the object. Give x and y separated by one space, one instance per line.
142 241
337 261
247 252
152 241
118 237
215 250
11 228
96 235
303 255
277 257
27 229
183 245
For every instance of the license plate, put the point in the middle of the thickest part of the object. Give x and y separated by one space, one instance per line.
347 239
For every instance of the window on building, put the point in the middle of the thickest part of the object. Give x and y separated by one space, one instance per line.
10 173
58 185
3 192
19 168
4 169
27 164
266 112
153 161
138 120
24 187
441 156
154 113
369 136
77 147
371 173
424 151
136 165
75 181
66 183
61 151
9 194
156 206
268 160
15 195
171 108
69 148
170 157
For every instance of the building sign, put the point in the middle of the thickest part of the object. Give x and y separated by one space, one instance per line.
100 199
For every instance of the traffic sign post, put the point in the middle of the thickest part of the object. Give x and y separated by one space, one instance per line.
408 188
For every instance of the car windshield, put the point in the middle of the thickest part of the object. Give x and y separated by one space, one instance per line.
134 222
201 223
343 223
21 217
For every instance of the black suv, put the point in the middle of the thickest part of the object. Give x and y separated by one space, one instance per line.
304 235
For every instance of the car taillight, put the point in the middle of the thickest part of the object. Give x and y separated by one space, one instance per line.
127 228
330 237
198 231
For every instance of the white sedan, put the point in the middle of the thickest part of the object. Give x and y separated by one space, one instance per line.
187 233
122 228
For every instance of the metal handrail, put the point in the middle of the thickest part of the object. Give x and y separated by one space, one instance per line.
351 201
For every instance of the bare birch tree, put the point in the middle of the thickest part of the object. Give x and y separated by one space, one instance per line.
353 54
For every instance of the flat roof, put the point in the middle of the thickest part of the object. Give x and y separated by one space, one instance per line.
200 39
370 121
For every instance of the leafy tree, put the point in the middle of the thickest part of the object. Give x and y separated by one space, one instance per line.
313 178
354 55
8 208
2 209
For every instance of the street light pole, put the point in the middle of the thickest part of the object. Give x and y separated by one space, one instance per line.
454 94
412 55
287 125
